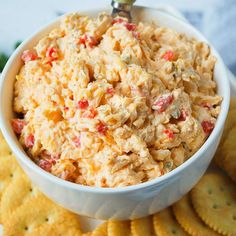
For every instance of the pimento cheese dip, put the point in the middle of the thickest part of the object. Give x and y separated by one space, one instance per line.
103 102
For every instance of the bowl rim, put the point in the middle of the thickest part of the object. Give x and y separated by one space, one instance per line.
20 154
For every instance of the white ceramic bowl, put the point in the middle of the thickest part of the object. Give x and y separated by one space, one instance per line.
126 202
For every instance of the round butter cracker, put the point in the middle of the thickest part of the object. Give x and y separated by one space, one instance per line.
142 227
225 156
40 216
189 220
228 152
231 120
166 225
19 190
9 170
101 230
214 199
87 234
117 228
4 148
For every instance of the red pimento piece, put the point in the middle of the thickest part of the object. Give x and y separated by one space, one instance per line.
50 157
163 102
90 40
45 164
82 39
29 141
53 158
18 125
117 21
83 104
66 108
52 54
91 113
101 128
110 90
183 116
207 126
130 26
169 133
49 63
168 55
28 55
76 141
48 160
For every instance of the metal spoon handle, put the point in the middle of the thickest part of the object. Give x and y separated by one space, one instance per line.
125 1
122 8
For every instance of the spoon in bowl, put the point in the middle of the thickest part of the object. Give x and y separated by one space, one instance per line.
122 8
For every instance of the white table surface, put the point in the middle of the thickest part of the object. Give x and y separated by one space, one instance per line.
20 18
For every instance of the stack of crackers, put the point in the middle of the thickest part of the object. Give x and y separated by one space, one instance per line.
209 209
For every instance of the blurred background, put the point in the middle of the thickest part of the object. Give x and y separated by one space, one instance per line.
216 19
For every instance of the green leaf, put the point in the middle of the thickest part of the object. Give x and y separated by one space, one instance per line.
3 60
17 43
